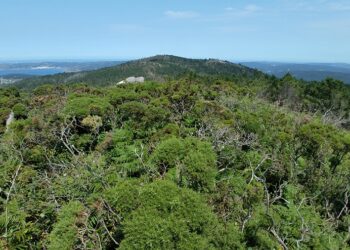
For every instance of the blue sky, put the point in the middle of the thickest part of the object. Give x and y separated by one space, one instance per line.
264 30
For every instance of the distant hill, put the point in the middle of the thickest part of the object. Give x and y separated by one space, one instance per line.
306 71
157 68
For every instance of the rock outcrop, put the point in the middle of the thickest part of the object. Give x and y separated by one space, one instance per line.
132 79
9 120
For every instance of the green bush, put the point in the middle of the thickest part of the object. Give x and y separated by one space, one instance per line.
169 217
194 162
81 106
20 111
64 233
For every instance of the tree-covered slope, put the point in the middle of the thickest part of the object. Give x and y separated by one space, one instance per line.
194 163
157 68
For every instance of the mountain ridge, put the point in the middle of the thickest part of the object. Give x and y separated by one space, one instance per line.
156 68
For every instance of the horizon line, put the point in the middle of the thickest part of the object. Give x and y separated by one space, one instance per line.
121 59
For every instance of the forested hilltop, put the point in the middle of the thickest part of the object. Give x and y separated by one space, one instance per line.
159 68
228 161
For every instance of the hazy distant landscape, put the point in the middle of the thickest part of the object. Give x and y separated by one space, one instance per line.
306 71
12 72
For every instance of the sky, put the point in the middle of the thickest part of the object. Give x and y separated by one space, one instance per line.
237 30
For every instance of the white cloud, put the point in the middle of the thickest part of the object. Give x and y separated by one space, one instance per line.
180 14
245 11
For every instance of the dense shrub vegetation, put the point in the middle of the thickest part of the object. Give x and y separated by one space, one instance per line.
194 163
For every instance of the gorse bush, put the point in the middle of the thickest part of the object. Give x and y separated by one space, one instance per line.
65 233
199 162
189 162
